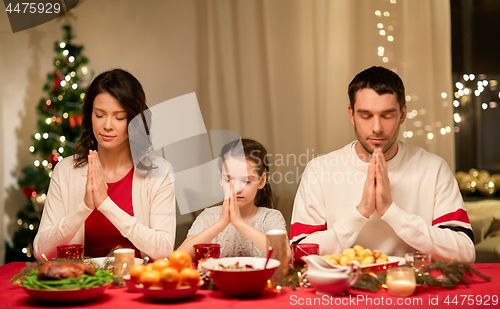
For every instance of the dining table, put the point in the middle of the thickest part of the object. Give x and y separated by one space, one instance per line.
479 293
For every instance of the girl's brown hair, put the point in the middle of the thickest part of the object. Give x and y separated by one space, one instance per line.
257 153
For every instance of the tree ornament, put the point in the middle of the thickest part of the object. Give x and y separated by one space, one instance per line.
28 191
54 158
75 120
468 185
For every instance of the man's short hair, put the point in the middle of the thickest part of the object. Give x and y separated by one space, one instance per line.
381 80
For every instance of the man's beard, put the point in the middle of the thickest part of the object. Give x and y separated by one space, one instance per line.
386 148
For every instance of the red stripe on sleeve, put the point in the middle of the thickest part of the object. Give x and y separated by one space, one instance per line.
458 215
299 228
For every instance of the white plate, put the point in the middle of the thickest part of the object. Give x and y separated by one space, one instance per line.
100 261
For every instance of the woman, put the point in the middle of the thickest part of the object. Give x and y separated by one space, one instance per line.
97 197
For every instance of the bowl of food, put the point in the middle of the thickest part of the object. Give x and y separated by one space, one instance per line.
375 261
66 282
241 277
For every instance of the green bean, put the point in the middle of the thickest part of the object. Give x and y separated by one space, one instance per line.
101 277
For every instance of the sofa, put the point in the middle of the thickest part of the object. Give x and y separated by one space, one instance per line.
484 217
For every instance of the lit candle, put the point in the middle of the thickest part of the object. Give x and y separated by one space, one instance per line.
401 281
124 260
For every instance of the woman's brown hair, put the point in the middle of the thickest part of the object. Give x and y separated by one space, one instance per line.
126 89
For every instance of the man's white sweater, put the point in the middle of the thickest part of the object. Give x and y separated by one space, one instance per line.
427 213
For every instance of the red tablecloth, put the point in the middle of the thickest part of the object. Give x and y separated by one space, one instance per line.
479 294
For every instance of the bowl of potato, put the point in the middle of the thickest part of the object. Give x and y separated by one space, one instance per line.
374 260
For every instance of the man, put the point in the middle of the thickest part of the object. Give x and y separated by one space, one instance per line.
380 193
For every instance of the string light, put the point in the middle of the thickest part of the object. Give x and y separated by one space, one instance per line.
82 95
67 78
456 103
457 118
444 95
378 13
448 129
48 121
60 97
63 83
430 136
382 32
32 148
36 163
45 162
380 25
385 59
71 59
62 138
48 102
472 76
65 115
38 136
45 135
59 159
465 77
443 131
73 73
65 52
60 150
387 14
74 86
484 106
84 70
390 38
62 45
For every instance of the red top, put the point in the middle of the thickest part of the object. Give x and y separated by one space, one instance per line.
101 236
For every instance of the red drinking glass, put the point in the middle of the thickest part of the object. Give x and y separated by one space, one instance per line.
71 252
205 251
300 250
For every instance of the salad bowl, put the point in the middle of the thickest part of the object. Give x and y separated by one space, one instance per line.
241 277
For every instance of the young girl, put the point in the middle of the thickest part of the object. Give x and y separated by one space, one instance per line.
240 223
97 197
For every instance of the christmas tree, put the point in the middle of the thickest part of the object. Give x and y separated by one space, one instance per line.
59 127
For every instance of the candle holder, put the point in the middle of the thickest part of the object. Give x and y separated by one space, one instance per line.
205 252
417 260
300 250
277 240
401 281
71 252
124 260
